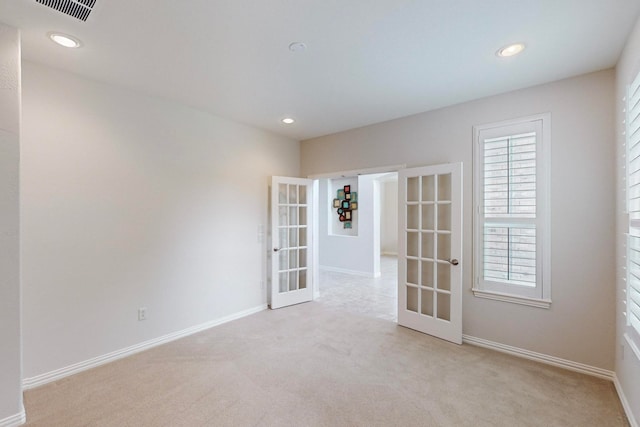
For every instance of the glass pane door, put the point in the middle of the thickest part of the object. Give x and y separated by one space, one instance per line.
429 282
291 250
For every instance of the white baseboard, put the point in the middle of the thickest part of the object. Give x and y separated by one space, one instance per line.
28 383
539 357
14 420
625 402
345 271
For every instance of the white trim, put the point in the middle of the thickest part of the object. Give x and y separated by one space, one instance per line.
539 357
496 296
38 380
14 420
356 172
353 272
632 345
387 253
315 240
625 403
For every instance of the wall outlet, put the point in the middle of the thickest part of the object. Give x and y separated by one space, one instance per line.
142 313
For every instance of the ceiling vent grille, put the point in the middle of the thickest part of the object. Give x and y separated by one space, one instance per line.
79 9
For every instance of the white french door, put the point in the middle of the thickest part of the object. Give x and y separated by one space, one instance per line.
291 226
430 250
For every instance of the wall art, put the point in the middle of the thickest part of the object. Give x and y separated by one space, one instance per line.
345 203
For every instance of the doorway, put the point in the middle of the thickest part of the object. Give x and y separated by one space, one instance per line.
358 261
429 202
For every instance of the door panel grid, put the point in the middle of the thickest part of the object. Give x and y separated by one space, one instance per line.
291 255
429 214
293 218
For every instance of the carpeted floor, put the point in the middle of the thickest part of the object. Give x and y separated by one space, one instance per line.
363 295
316 365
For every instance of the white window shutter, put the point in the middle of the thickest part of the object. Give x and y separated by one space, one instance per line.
633 205
511 222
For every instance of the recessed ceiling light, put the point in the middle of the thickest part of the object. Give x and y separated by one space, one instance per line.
297 47
65 40
511 50
288 120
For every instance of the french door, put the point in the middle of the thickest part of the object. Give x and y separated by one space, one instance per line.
430 250
291 213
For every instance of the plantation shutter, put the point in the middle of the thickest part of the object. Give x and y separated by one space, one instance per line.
633 205
509 209
512 249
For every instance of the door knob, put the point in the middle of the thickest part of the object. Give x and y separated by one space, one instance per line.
453 261
276 249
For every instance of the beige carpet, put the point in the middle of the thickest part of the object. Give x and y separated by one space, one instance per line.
363 295
312 365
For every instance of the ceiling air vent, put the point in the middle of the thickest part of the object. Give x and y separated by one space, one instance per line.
79 9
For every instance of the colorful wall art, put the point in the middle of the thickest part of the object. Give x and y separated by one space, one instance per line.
345 203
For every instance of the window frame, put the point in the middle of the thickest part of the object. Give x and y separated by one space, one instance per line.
632 226
540 294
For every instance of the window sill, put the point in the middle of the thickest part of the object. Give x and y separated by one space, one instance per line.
632 345
342 235
531 302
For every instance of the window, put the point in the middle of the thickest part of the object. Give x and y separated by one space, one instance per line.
511 218
632 187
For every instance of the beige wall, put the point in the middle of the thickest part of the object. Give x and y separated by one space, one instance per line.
580 324
131 201
10 348
627 364
357 253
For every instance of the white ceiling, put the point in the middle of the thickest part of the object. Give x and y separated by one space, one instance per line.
367 60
